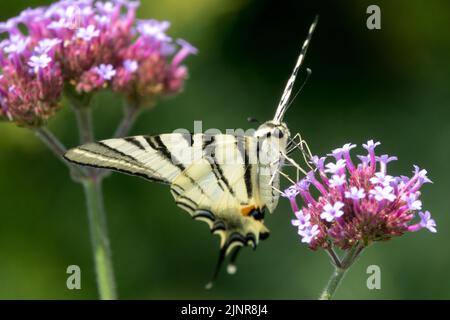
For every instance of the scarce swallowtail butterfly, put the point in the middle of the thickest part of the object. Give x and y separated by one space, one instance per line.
227 181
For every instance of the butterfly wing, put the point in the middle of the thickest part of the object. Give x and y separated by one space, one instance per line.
157 158
213 177
221 189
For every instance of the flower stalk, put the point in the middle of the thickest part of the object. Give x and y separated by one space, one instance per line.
99 238
340 270
131 112
52 142
92 185
58 149
93 191
85 126
333 283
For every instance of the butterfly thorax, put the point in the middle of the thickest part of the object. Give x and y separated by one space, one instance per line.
272 138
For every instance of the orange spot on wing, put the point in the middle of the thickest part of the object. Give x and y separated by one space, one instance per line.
246 210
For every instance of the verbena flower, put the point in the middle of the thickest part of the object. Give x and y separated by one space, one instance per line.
76 48
87 45
357 203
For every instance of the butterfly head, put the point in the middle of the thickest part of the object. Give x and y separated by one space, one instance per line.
273 133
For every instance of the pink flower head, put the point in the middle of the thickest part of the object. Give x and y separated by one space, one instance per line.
89 45
357 203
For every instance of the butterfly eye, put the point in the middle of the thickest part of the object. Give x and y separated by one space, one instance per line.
278 133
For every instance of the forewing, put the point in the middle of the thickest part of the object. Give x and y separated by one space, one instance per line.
158 158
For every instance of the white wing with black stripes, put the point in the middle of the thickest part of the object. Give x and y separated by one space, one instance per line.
213 177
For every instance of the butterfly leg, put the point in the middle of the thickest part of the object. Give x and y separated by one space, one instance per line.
302 146
281 173
286 176
298 143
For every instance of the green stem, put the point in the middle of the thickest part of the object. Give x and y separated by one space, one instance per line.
84 121
51 141
333 283
58 149
131 113
99 237
334 257
340 269
92 184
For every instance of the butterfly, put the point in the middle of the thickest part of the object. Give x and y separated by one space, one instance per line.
228 181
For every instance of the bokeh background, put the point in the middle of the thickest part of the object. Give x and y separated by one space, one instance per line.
390 84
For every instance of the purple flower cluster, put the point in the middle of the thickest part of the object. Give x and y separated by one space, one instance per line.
356 203
89 45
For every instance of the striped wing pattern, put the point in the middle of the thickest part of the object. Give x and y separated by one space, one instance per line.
213 177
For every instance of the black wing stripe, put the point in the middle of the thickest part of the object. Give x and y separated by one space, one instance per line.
210 154
221 173
185 206
131 161
208 140
135 142
124 155
178 187
242 145
191 202
248 171
218 225
203 213
139 174
218 172
157 144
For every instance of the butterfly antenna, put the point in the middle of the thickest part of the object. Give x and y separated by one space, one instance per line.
210 284
231 267
284 102
308 74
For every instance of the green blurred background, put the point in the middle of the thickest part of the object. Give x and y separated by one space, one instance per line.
391 85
